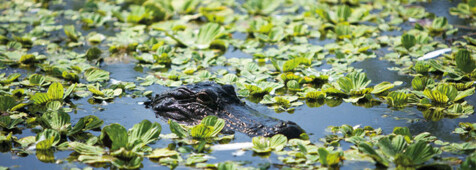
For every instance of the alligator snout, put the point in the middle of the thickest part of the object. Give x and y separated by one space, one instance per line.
288 129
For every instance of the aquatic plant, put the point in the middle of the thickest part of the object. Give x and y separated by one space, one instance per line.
209 128
397 149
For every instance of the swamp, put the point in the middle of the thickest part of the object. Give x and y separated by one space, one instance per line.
374 84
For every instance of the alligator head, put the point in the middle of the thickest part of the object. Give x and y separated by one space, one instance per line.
190 104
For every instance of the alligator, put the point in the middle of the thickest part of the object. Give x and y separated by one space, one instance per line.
191 103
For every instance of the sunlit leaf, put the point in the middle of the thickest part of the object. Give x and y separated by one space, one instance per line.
56 120
50 137
277 142
85 149
381 87
215 122
95 74
261 144
145 132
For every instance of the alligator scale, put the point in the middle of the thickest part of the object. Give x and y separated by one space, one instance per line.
190 104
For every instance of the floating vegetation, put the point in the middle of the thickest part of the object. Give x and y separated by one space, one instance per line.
59 63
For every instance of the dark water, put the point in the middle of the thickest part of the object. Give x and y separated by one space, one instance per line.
128 111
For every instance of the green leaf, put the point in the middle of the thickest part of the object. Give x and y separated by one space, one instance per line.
315 95
227 166
37 79
422 67
26 141
201 131
71 33
56 120
261 144
367 149
408 40
278 142
343 13
228 79
217 124
392 147
85 149
40 98
8 123
10 78
86 123
343 31
27 59
397 99
207 34
323 153
449 90
419 152
470 162
53 105
69 90
463 94
293 85
96 75
49 134
353 82
6 103
114 136
464 61
158 10
197 158
95 90
93 53
177 129
439 24
145 132
420 83
161 153
436 96
404 131
381 87
261 7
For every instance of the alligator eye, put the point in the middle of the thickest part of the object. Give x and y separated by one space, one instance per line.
206 97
